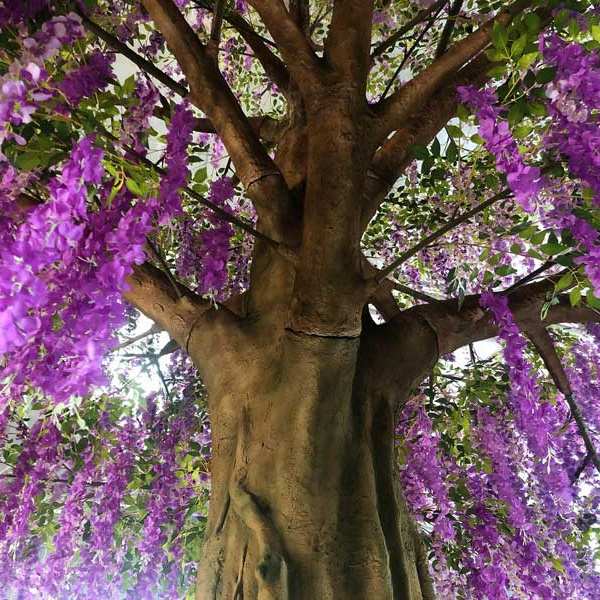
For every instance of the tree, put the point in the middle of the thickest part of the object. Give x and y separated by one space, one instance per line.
388 183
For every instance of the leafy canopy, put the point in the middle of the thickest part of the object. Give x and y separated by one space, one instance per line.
105 167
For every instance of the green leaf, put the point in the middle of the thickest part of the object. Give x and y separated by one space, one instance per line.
522 131
592 300
26 161
557 564
499 36
553 248
427 164
418 151
462 112
454 131
504 270
517 48
497 71
574 296
532 22
452 151
435 147
134 187
526 60
128 86
546 75
564 282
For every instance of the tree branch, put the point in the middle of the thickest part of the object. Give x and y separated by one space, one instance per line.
393 157
395 110
407 54
301 61
300 12
543 343
439 233
212 95
215 30
151 292
390 42
272 64
348 43
456 327
129 341
145 65
448 28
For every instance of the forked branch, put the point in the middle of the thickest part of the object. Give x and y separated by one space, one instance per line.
456 327
301 61
393 157
212 95
151 292
395 110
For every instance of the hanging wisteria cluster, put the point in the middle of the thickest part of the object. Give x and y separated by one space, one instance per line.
102 496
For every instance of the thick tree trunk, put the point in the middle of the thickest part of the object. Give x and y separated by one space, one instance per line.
304 503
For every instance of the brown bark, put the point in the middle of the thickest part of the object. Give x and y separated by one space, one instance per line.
303 386
304 500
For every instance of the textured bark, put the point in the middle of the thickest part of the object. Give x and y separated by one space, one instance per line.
303 387
304 501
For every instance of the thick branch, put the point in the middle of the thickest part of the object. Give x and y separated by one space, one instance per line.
395 110
393 157
295 49
348 44
456 327
300 12
151 292
213 96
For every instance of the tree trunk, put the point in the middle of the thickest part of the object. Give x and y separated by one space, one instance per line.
304 503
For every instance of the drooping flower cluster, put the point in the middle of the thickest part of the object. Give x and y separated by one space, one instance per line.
524 393
515 519
97 471
181 126
524 180
205 253
86 80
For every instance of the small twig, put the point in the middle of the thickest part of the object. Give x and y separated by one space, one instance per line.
472 354
165 267
545 346
215 30
448 28
154 329
439 233
581 468
408 54
161 377
418 18
413 293
528 278
450 377
583 431
134 57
